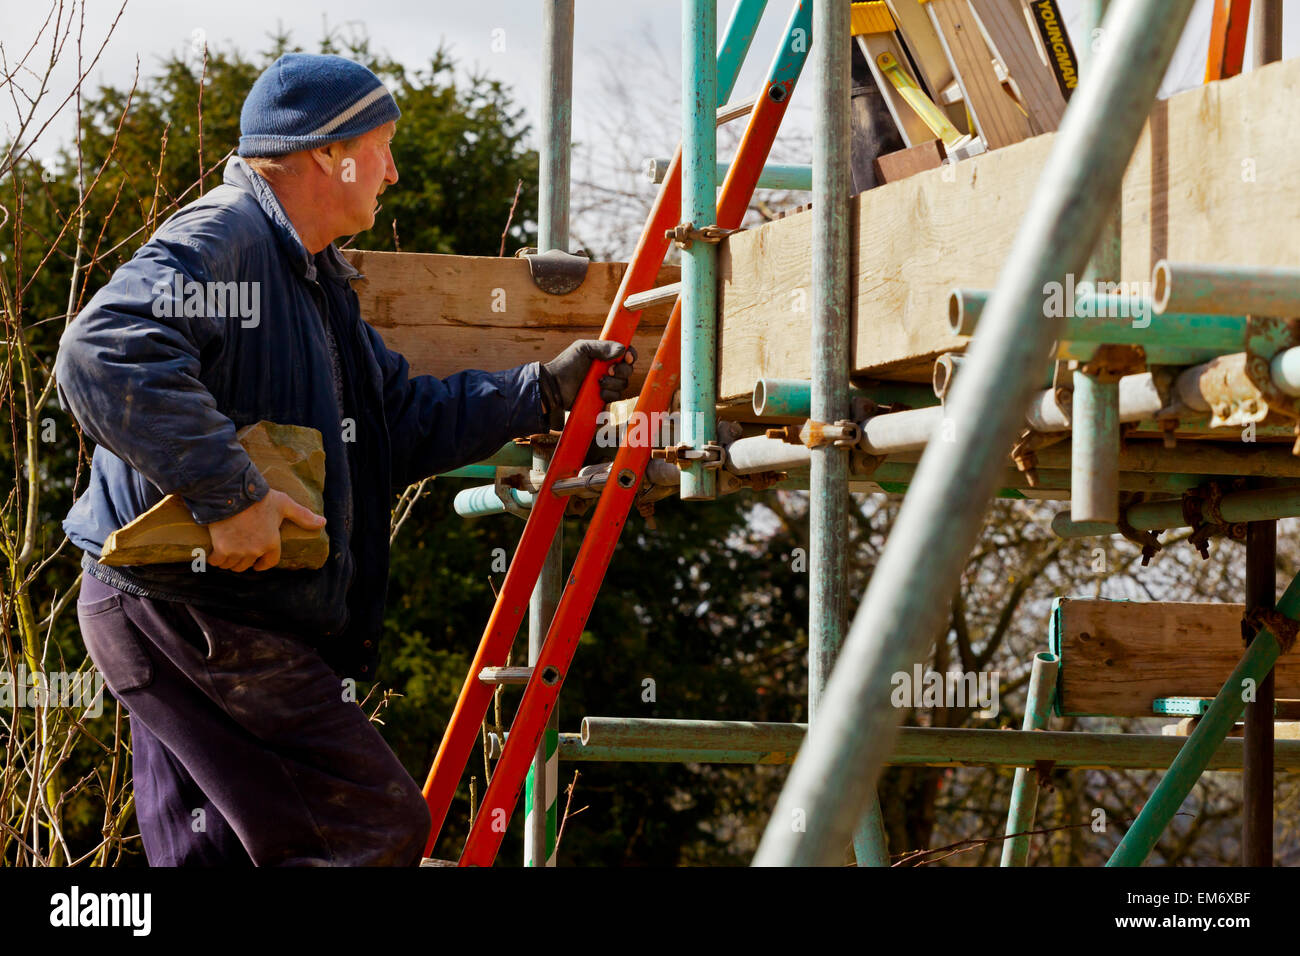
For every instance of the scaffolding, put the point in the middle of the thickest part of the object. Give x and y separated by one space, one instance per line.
1217 341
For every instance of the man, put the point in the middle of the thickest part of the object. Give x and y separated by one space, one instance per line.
247 746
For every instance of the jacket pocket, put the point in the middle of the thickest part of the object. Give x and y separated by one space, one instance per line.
114 645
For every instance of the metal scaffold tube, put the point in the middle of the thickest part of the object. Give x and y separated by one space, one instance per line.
907 601
552 233
699 385
792 398
1094 477
1262 504
707 83
1268 32
1257 774
541 789
485 500
774 175
1094 451
1024 790
1117 320
828 492
1144 466
632 739
557 124
1224 290
1261 557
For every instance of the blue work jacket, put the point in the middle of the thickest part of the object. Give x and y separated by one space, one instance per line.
169 359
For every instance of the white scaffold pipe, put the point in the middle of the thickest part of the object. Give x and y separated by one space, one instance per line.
1225 290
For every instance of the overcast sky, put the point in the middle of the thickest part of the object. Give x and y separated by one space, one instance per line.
606 35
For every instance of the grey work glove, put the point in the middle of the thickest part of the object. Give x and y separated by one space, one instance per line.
563 375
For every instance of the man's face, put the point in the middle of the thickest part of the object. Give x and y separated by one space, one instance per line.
365 171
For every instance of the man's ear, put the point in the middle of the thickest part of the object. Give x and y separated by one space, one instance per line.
328 157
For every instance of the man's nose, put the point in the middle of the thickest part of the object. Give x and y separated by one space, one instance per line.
390 174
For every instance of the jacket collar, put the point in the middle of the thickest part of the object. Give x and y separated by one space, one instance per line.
329 260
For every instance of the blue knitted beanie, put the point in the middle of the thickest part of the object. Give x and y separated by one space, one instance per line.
305 100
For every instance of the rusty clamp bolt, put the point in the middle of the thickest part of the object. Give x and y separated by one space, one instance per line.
646 509
1110 363
1026 462
761 481
1201 511
841 434
766 479
786 433
1168 432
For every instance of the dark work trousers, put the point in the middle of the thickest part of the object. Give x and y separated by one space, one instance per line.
245 747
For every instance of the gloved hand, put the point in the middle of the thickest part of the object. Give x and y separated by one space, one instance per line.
563 375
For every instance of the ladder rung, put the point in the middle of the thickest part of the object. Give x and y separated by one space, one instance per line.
505 675
735 110
644 300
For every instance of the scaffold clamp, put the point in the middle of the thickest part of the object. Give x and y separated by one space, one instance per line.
685 233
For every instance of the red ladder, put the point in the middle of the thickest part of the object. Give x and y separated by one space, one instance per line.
626 475
1228 29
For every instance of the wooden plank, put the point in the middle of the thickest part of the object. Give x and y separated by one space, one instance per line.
1209 150
914 241
1282 729
998 118
1210 174
908 162
765 293
450 313
1117 657
1004 20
